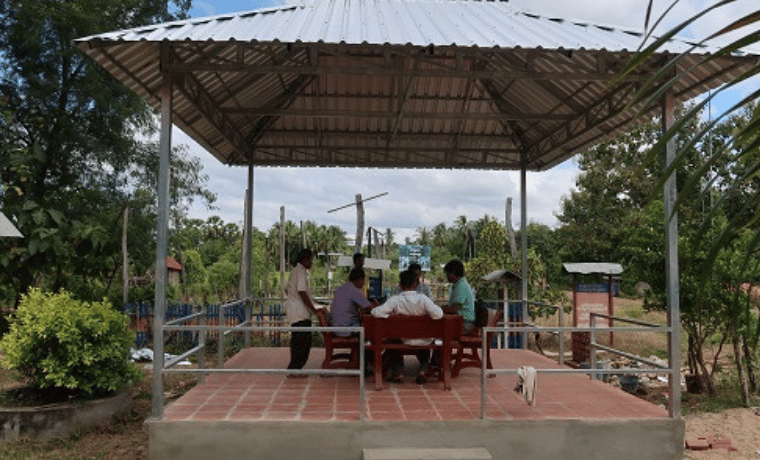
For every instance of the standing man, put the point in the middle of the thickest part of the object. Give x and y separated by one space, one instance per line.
461 298
299 308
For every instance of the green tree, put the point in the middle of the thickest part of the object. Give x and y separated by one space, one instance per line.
70 148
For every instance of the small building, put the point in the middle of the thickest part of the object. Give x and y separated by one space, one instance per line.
174 270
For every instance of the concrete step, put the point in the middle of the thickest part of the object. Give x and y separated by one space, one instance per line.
401 453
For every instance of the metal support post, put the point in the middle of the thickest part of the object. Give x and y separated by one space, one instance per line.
162 237
524 248
248 255
671 254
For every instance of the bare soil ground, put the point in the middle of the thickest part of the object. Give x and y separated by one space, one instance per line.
741 426
127 439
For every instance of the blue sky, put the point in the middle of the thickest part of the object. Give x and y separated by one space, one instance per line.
308 193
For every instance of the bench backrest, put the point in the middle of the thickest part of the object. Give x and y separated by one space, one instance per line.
412 327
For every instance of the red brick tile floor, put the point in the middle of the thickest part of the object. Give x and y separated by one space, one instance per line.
249 397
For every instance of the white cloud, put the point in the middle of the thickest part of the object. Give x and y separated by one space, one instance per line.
424 198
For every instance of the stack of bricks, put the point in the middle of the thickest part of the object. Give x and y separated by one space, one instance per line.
710 442
581 347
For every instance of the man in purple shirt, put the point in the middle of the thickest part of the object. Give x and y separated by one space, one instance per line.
349 303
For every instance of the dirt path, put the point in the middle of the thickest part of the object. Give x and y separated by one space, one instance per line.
741 426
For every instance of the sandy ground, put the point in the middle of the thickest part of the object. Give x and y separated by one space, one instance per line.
741 426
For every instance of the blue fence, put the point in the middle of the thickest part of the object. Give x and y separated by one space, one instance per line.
141 321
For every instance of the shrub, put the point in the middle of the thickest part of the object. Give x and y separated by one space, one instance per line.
60 343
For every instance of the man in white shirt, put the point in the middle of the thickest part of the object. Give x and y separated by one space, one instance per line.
299 308
411 303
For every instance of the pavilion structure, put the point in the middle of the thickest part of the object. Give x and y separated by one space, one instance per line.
454 84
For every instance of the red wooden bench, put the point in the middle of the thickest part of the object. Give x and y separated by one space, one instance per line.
379 330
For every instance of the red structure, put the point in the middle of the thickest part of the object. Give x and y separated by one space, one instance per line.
591 298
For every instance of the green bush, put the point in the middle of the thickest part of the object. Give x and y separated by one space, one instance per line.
60 343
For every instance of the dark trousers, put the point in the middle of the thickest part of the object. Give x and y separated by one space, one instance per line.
300 345
395 360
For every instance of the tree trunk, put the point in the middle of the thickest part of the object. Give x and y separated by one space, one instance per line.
705 377
740 371
749 361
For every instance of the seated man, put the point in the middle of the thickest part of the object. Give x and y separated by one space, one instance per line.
462 297
349 303
411 303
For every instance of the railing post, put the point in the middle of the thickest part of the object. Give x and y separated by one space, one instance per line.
220 342
202 341
561 335
592 354
247 335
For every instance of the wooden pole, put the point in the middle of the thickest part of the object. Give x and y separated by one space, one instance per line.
510 230
359 223
125 256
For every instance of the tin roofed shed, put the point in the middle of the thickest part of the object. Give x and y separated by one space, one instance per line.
401 84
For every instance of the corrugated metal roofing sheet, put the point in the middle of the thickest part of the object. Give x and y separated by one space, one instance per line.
459 23
396 83
7 229
587 268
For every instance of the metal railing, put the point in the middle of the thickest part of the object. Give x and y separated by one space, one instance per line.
592 372
222 330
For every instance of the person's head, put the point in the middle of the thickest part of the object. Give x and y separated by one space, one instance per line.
305 257
357 277
416 268
454 270
359 260
407 280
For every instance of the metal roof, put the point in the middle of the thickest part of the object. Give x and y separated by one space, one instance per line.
395 83
587 268
502 276
7 228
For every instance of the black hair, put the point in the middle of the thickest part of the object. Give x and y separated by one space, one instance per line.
304 254
357 256
356 274
407 278
414 266
455 267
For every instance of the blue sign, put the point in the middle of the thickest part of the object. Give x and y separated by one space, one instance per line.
414 253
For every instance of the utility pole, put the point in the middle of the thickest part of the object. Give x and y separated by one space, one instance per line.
359 203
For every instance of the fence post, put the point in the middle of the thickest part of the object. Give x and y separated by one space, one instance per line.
561 335
592 352
202 341
220 342
247 335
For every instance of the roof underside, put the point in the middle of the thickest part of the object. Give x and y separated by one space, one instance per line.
394 83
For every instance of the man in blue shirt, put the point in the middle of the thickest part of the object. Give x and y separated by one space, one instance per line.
462 297
349 303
